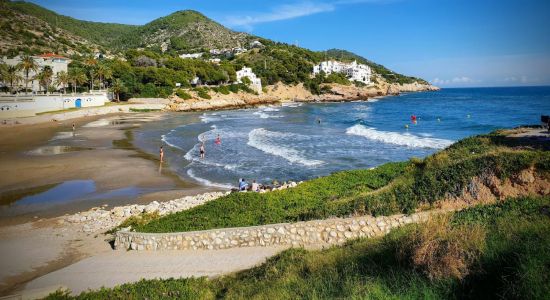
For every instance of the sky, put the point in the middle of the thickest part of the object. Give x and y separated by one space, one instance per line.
451 43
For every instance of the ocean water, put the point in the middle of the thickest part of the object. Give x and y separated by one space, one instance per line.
304 141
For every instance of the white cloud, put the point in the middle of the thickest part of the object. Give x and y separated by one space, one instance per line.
292 11
279 13
462 79
458 80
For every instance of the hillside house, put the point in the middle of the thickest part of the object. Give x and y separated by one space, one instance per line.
354 71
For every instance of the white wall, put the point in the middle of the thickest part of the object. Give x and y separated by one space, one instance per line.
26 106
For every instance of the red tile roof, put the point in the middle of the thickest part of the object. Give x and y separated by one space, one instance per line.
51 55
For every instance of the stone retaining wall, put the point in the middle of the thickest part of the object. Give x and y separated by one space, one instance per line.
331 231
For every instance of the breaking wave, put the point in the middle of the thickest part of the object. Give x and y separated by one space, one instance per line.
405 139
266 141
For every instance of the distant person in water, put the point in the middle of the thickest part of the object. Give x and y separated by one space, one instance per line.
202 151
318 120
161 154
218 140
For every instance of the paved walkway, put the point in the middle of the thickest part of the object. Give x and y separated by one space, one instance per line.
118 267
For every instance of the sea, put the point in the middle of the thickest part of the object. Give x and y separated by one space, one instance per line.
300 141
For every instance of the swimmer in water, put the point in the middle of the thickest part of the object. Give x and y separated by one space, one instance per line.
218 140
202 151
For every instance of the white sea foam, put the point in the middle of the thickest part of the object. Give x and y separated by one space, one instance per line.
291 104
270 108
373 100
206 181
98 123
405 139
164 139
266 141
193 156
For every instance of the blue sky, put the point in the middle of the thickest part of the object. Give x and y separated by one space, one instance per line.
452 43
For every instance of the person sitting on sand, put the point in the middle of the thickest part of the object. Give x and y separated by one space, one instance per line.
202 151
243 185
161 154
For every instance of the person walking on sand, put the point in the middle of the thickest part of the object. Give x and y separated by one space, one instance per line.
161 154
201 150
73 127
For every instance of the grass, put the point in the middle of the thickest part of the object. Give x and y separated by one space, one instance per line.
391 188
308 200
513 261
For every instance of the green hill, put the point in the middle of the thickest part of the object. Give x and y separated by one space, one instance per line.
151 50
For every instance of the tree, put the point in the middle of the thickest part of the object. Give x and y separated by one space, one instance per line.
27 64
11 76
103 73
45 78
77 77
90 62
117 88
63 80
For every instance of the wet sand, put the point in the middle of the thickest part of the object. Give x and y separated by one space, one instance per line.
39 157
35 158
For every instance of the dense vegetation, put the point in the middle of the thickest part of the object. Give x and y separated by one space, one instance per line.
389 189
388 75
104 34
500 251
154 70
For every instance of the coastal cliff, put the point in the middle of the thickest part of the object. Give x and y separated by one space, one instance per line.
283 93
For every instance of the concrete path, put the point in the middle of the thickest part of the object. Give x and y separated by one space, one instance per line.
118 267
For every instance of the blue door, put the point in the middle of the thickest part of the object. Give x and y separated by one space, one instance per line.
78 103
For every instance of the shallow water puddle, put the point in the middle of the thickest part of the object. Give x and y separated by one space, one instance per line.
55 150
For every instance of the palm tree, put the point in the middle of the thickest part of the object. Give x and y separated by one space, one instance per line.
45 78
90 64
103 73
27 64
117 88
11 76
77 77
62 79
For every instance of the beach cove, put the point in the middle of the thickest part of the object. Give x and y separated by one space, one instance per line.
110 153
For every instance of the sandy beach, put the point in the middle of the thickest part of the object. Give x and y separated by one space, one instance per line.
36 157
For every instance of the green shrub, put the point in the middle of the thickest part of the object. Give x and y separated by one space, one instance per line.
183 94
203 93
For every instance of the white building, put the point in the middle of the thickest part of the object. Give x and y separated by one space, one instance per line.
191 55
354 71
12 106
58 63
256 83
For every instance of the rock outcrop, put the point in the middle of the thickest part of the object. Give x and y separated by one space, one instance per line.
280 92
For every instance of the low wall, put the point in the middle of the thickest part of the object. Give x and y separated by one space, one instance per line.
30 105
331 231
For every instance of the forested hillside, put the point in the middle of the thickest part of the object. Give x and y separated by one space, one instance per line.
144 59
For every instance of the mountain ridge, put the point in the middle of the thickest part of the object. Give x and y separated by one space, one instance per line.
183 31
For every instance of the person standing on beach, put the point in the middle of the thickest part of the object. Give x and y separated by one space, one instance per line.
201 150
161 154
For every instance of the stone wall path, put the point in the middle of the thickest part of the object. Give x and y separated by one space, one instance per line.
119 267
